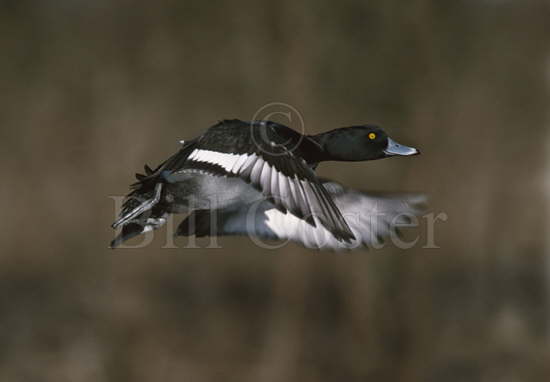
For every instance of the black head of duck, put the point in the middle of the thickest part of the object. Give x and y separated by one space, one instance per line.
360 143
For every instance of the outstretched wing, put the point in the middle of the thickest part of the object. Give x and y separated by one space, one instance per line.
281 174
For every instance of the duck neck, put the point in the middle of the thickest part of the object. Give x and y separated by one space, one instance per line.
337 145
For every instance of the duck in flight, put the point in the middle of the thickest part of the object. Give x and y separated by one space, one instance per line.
258 178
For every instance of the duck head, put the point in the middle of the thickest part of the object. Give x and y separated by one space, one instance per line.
361 143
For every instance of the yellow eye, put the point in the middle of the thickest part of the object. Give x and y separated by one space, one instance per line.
372 136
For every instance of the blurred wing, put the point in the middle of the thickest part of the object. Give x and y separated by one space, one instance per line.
371 217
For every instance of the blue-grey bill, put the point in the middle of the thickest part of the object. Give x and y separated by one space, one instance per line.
395 148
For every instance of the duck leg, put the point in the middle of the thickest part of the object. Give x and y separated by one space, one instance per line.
143 207
135 228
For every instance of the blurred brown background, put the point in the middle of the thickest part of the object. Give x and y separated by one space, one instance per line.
92 90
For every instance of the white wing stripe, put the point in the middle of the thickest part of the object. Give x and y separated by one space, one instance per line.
230 162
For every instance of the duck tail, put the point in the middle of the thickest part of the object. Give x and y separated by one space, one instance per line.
145 207
142 211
